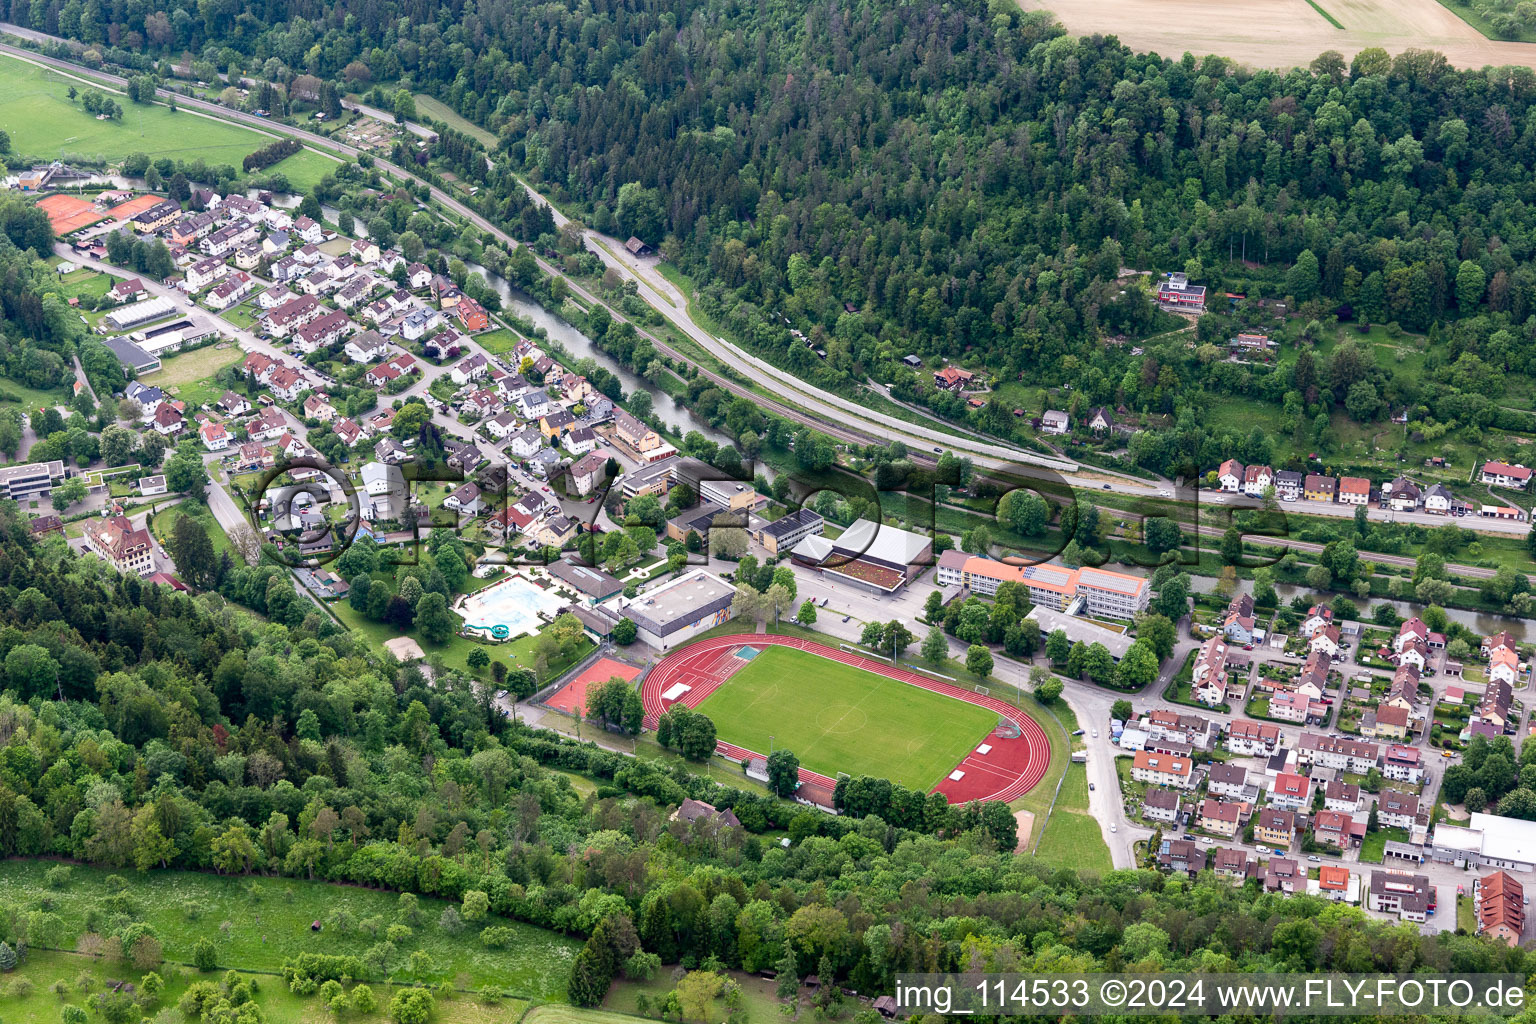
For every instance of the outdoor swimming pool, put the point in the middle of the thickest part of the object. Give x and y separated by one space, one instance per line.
510 608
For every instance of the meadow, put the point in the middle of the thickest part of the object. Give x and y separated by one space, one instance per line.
42 121
258 922
837 718
189 376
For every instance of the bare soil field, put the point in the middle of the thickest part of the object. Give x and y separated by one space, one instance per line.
1285 33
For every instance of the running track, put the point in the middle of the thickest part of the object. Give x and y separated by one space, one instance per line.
704 666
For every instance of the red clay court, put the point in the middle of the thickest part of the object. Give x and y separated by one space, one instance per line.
574 693
68 213
1004 766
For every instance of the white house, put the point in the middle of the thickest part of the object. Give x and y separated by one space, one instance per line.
215 437
1230 476
1257 479
1054 421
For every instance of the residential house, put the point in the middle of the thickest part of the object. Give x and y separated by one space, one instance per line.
470 368
1209 682
580 440
555 531
127 290
1181 855
418 276
1288 485
555 422
533 405
465 499
463 456
1504 665
318 407
1336 829
419 323
952 378
1290 706
1253 739
1401 893
232 404
1229 476
266 425
1290 792
364 250
1340 754
1385 722
589 472
1500 905
1238 622
1502 474
216 436
1438 499
366 347
168 420
204 273
149 399
1401 495
1317 487
1198 732
1275 827
526 445
1318 616
1232 864
288 383
1257 480
292 315
308 230
1334 882
1496 641
274 296
231 291
1327 641
115 540
392 369
1402 764
1227 780
1176 292
1281 874
1354 490
634 434
471 315
1342 796
482 402
1220 817
1161 805
1054 421
322 332
1101 421
1397 810
348 430
1163 770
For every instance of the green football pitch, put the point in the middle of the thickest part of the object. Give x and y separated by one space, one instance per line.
837 718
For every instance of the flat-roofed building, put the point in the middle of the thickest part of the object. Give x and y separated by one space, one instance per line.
681 609
31 480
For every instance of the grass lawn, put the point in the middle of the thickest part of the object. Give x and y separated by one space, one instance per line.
1373 847
872 726
164 522
498 342
304 169
84 285
189 376
243 315
437 110
758 998
36 110
269 921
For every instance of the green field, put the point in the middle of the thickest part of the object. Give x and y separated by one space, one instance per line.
837 718
189 376
259 922
35 109
304 169
437 110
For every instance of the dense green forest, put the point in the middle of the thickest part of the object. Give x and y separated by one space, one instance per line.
119 747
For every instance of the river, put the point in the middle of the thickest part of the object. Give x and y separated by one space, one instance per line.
579 346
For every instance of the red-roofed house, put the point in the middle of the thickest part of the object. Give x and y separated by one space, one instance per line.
1502 474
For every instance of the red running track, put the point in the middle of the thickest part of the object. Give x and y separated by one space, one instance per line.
1010 769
